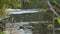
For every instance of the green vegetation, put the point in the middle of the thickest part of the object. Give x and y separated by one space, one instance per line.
30 4
22 4
58 19
2 32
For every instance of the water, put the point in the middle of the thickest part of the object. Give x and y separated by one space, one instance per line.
28 31
21 31
15 29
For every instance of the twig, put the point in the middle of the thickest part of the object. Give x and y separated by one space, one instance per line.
51 7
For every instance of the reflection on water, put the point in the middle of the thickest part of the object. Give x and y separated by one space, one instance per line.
16 30
21 31
27 31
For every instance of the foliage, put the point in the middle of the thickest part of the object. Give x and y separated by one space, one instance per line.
2 32
58 19
58 1
4 4
2 13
